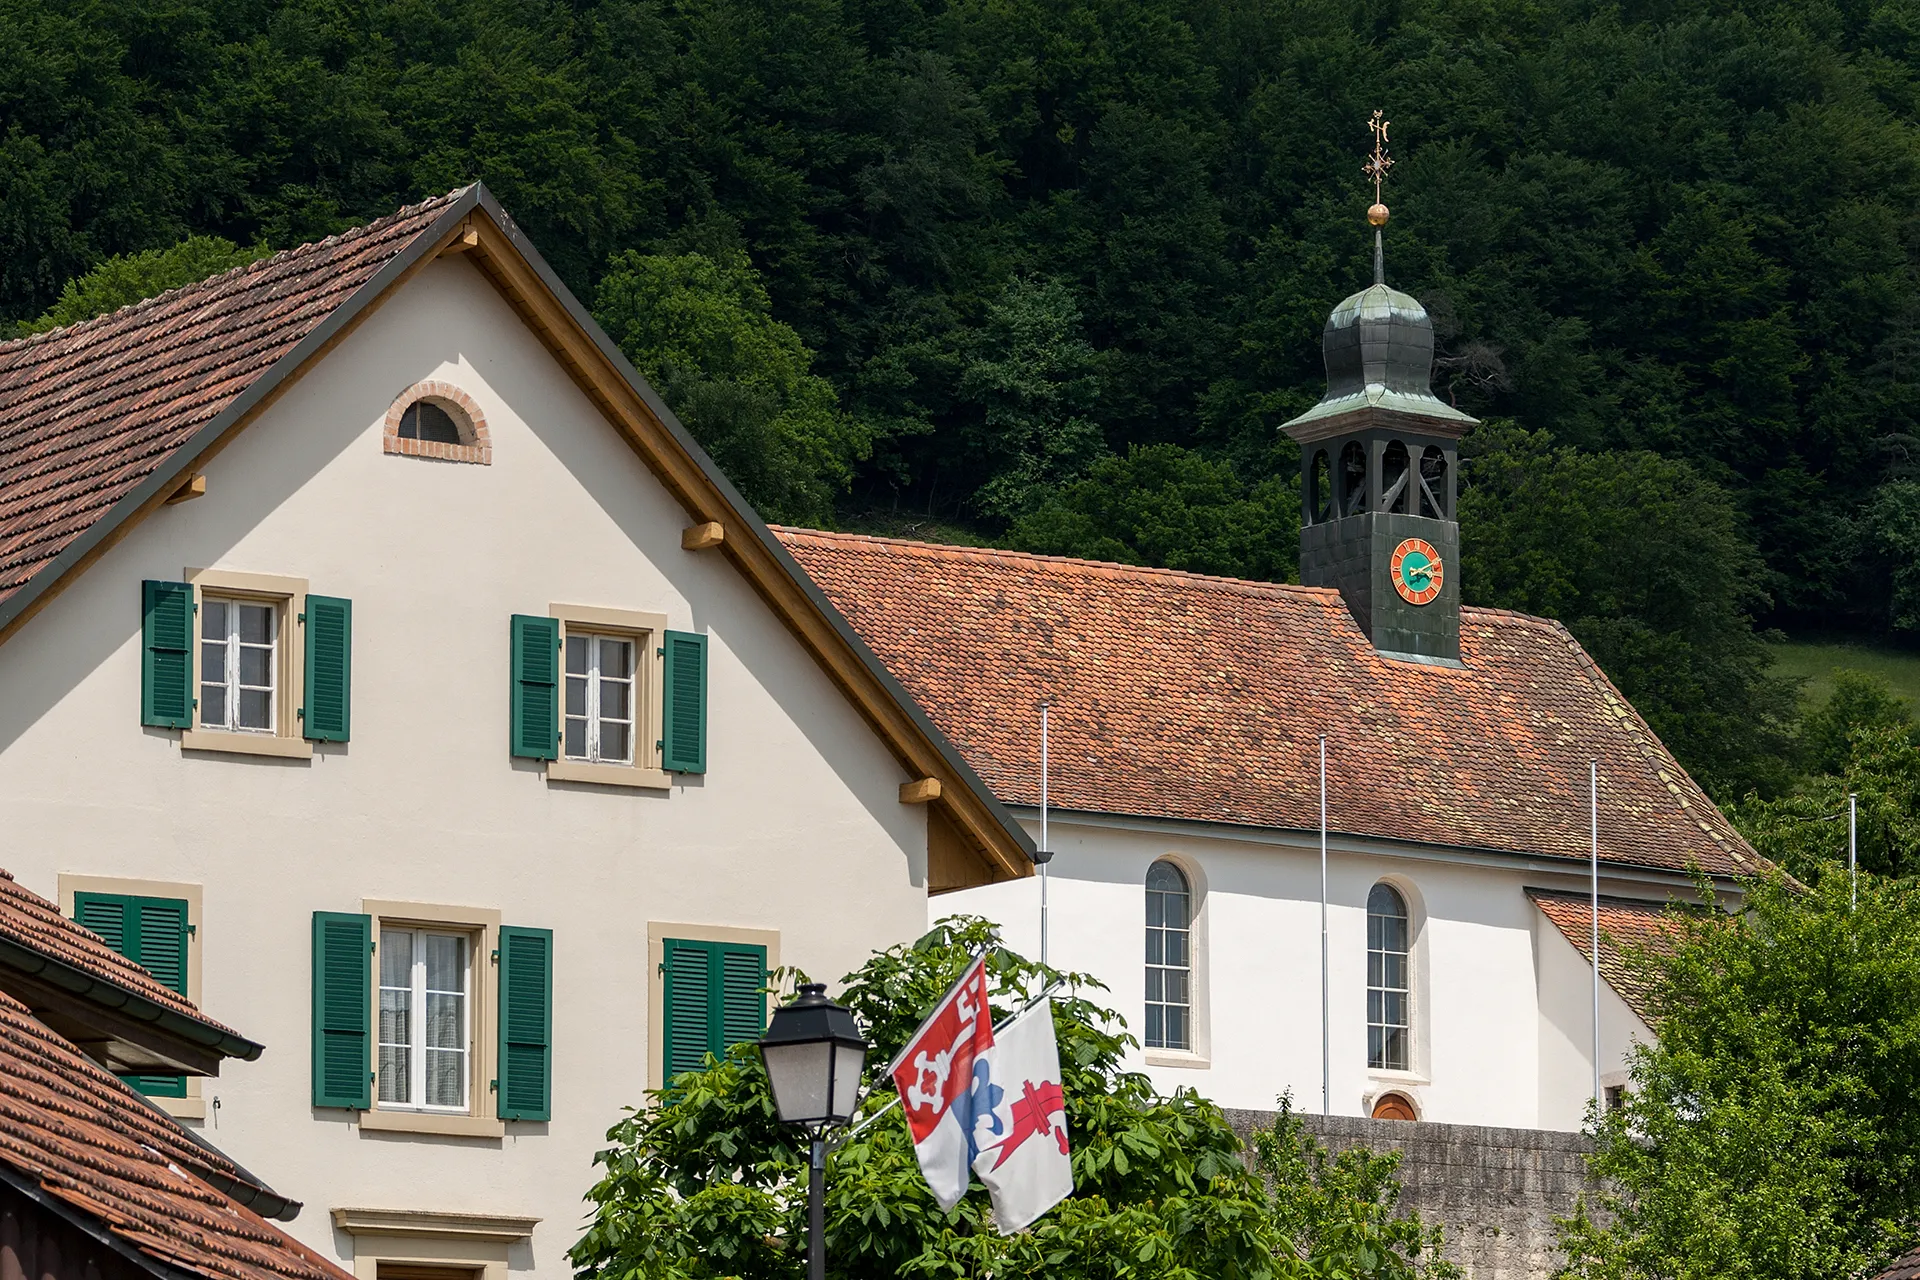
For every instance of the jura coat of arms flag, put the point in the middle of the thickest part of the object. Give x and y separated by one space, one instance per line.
939 1075
1021 1123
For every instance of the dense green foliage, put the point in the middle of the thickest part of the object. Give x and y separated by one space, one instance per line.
1774 1129
707 1184
127 278
1053 271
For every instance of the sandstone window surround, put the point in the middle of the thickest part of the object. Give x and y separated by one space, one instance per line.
437 419
250 688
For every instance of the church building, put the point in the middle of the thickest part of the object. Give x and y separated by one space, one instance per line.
1430 956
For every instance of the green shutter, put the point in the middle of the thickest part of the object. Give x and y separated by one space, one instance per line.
151 932
743 997
166 667
714 999
328 713
683 738
342 1010
526 1024
536 687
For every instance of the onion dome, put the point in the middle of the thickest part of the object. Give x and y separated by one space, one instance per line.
1378 346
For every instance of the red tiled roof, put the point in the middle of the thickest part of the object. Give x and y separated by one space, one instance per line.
31 921
1181 696
1904 1267
90 411
90 1141
1625 923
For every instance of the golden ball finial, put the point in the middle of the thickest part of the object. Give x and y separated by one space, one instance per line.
1377 215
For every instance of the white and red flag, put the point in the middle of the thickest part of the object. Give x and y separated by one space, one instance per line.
939 1075
1022 1126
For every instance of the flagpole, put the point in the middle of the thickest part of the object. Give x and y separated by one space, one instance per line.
1326 1008
1046 853
1593 818
1853 852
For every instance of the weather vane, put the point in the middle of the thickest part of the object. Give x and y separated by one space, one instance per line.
1377 165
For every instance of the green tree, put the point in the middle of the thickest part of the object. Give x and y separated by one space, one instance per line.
1173 508
129 278
1031 377
1773 1129
706 1184
702 332
1649 565
1892 526
1858 701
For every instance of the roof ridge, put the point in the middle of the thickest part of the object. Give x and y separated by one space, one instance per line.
1606 899
952 551
263 264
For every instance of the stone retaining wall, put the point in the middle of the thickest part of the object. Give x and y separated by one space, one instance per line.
1497 1191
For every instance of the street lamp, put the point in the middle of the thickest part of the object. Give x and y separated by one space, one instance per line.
814 1054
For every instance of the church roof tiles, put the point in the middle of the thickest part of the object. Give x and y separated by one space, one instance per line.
1180 696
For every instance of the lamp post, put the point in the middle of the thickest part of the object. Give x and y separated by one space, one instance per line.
814 1054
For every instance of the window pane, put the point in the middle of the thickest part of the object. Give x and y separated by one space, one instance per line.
1176 1028
1376 1006
1395 1011
446 1021
1176 910
213 704
213 619
1156 909
1156 984
1156 1027
616 658
213 661
613 743
1177 986
1177 948
1156 947
446 963
446 1078
396 1074
256 666
1376 1039
614 695
1376 968
396 958
256 623
1396 969
396 1016
576 739
579 653
576 695
256 709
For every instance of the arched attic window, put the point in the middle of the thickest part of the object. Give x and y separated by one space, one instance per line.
438 420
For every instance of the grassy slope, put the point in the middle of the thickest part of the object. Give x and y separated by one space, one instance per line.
1816 660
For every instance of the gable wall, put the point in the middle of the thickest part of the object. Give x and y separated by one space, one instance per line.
795 827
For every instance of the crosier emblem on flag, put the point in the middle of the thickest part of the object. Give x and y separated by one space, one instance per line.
1029 1168
941 1075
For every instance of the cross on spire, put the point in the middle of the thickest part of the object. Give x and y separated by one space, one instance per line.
1376 168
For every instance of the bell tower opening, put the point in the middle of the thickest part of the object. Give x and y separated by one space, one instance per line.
1380 464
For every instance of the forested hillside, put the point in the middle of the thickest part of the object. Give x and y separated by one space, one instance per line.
1051 272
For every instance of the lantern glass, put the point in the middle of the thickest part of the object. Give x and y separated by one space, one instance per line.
801 1075
848 1061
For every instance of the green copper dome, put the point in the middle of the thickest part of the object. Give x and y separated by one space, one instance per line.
1378 346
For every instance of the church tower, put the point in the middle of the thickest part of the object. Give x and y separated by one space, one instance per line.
1379 467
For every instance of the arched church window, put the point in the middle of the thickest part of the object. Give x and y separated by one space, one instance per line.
1393 479
1320 489
1353 479
1389 989
1169 958
1433 482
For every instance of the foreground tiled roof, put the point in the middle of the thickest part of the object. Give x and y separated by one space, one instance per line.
95 1145
1181 696
32 922
1904 1267
90 411
1626 924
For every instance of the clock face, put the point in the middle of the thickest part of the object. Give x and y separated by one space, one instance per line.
1417 571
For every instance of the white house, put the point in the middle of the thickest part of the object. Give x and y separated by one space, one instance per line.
384 668
1186 719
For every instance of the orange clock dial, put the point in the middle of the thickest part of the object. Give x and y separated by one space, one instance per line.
1417 571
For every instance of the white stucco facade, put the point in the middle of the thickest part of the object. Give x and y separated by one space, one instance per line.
795 833
1501 1002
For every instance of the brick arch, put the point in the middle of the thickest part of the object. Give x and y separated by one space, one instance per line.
476 445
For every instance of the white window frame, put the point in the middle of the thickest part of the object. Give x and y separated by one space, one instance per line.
232 646
594 679
417 1046
288 599
479 1119
1185 970
647 631
1406 992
